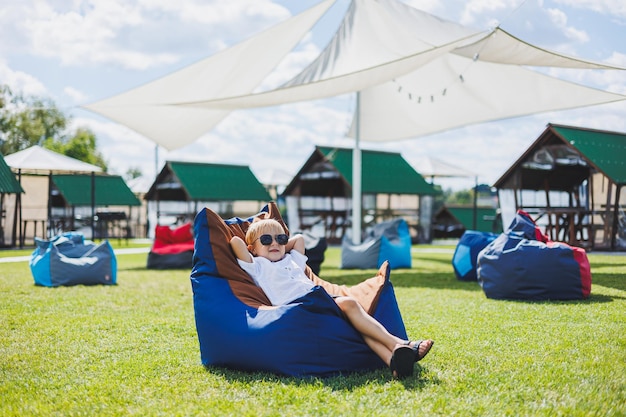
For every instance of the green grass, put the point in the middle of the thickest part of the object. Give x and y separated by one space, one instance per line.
132 349
115 243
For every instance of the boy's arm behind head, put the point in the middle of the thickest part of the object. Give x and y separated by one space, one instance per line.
296 242
240 249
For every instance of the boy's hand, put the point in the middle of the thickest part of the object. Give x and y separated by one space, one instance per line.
261 216
296 242
240 249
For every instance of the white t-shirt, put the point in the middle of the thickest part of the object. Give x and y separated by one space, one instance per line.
282 281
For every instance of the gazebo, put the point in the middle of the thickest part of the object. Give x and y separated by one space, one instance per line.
570 180
319 196
33 167
104 198
181 189
8 185
453 221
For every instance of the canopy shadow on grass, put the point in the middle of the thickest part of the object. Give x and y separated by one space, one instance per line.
434 280
601 298
615 281
143 268
405 278
593 299
421 378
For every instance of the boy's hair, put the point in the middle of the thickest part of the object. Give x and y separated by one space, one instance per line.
260 227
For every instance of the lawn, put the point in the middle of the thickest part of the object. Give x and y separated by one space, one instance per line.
131 349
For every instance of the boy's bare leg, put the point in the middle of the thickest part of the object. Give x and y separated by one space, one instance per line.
379 349
375 335
368 326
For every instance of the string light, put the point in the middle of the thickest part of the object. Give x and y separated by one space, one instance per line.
444 91
418 97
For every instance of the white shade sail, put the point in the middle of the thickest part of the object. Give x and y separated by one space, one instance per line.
454 91
417 74
150 109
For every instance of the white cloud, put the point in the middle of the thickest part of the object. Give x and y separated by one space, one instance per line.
137 34
475 8
226 13
121 147
20 81
615 8
559 19
76 95
89 35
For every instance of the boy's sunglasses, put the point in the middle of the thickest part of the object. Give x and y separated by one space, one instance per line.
266 240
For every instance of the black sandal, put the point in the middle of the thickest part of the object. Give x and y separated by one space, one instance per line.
402 360
416 349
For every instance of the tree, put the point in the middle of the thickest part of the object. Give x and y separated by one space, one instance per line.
29 121
132 173
462 197
82 146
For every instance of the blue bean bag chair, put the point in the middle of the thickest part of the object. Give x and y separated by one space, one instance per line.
239 329
466 252
388 241
69 259
524 264
315 248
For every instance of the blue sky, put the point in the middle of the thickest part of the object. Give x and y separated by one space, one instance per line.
77 52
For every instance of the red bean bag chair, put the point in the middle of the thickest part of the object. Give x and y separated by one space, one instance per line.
172 248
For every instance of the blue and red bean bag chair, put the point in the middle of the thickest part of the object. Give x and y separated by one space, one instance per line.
239 329
524 264
70 259
172 247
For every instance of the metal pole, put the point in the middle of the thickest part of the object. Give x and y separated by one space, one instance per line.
50 225
93 205
475 220
356 176
17 212
156 161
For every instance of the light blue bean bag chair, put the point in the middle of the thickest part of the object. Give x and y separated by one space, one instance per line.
388 241
239 329
69 259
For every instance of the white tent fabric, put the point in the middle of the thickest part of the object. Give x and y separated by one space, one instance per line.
417 73
37 158
423 75
150 110
375 33
501 47
454 91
